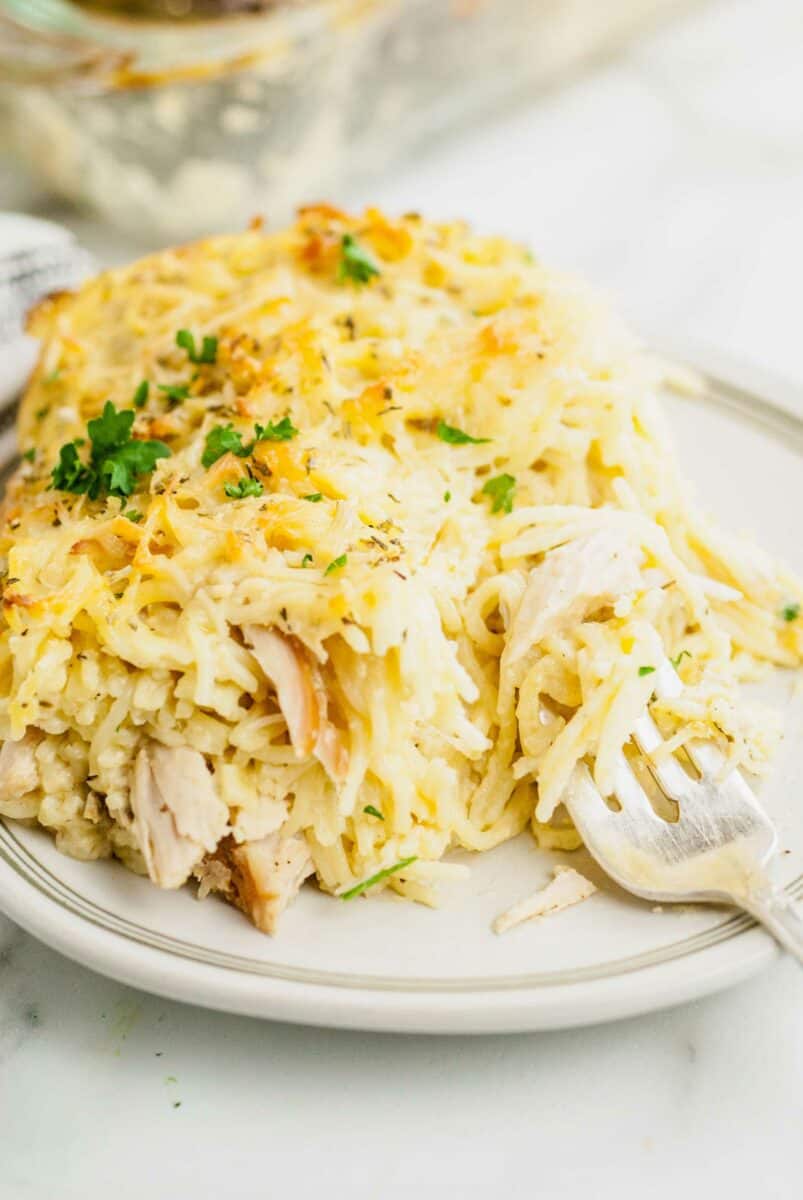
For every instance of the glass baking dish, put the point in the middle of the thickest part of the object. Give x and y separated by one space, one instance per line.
175 126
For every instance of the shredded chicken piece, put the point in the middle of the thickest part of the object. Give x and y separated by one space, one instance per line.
330 749
267 875
570 582
301 696
567 888
178 813
213 876
18 770
286 666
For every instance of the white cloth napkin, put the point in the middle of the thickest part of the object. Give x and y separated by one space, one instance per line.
36 257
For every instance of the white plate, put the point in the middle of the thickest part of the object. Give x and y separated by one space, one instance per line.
383 964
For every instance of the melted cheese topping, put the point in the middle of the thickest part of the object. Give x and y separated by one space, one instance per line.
118 633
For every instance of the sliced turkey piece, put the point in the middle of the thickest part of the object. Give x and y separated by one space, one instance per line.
301 696
18 770
178 814
267 875
571 582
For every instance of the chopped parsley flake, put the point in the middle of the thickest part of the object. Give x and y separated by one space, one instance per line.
141 395
501 489
306 560
791 612
175 392
207 353
646 670
380 875
282 431
355 263
53 376
678 659
456 437
447 497
313 497
116 460
244 487
373 812
29 455
134 515
336 564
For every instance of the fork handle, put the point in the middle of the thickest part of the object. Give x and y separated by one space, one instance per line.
776 913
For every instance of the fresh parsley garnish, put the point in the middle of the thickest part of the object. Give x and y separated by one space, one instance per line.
207 353
447 497
355 263
336 564
29 455
501 489
141 395
282 431
380 875
646 670
134 515
313 497
306 559
678 659
373 812
223 439
116 460
70 474
457 437
247 486
791 612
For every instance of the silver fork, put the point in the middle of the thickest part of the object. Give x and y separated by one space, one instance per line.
716 850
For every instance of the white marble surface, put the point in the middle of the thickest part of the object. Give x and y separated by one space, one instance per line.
672 175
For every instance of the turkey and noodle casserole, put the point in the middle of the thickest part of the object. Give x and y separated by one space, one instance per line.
334 549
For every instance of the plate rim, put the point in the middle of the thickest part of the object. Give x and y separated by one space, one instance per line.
518 1010
561 999
24 863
